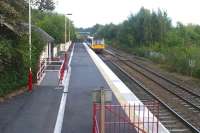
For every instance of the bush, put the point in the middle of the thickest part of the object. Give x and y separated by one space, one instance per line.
14 72
179 59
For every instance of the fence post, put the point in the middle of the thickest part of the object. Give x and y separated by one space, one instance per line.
102 129
158 109
30 81
94 120
101 97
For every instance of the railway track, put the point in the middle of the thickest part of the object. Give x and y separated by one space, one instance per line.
139 61
192 91
180 107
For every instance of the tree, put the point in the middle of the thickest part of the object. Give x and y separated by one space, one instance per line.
53 24
144 28
44 4
12 10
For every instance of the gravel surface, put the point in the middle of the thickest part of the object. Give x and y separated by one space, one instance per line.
166 117
180 106
189 82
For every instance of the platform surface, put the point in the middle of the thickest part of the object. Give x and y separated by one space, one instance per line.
85 78
50 79
36 112
33 112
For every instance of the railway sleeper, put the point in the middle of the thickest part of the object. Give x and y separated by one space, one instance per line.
179 130
162 118
172 127
169 122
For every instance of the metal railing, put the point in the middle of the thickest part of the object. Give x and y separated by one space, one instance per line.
140 118
63 67
42 67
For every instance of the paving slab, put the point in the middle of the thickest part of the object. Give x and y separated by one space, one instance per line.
85 77
50 79
34 112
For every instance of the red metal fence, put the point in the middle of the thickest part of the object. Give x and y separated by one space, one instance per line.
46 61
42 66
134 118
64 67
65 64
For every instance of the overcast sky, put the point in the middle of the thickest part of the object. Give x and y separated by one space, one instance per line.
87 13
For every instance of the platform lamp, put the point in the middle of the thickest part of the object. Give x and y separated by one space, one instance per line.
66 27
30 85
69 25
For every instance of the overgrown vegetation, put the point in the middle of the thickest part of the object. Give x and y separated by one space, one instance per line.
43 5
14 47
53 24
14 61
151 34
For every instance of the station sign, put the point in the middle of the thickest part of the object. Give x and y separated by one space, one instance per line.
97 95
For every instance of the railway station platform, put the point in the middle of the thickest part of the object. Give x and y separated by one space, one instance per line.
68 109
85 77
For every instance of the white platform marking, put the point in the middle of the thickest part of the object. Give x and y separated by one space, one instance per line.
61 112
121 91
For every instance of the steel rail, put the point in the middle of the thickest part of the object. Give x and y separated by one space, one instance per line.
180 97
189 125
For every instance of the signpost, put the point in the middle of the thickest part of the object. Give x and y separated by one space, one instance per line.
102 96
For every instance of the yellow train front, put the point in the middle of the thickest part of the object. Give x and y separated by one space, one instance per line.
98 45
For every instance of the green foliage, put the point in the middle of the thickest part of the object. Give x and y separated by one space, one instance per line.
177 58
14 51
14 59
144 28
13 10
43 5
53 24
150 34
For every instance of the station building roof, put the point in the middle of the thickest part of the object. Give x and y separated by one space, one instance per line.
22 28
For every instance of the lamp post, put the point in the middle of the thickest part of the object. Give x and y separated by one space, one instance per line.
69 25
65 29
30 50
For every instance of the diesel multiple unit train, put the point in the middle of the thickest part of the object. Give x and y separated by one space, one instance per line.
96 44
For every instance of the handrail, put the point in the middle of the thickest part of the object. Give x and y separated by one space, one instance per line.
96 125
134 116
41 69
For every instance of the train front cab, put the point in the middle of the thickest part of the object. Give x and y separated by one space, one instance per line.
98 47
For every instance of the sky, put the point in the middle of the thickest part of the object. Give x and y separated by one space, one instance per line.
86 13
